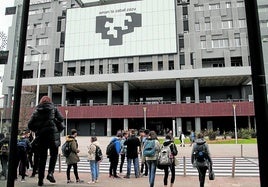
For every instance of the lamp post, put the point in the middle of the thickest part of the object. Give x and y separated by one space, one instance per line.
144 116
2 111
66 121
234 107
38 73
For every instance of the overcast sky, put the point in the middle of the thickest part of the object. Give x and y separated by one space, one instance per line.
5 22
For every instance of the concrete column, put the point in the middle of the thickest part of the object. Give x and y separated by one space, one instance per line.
9 99
178 126
178 91
63 95
109 95
126 102
197 125
196 91
49 91
109 127
249 123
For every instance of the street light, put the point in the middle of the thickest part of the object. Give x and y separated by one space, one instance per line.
39 71
234 106
144 115
66 121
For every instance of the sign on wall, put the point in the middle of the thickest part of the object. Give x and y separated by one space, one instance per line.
123 29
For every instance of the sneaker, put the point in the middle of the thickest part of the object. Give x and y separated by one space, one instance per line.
23 180
117 177
79 181
51 178
91 182
96 181
69 181
126 177
40 183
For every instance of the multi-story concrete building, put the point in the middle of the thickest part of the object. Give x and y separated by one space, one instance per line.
109 65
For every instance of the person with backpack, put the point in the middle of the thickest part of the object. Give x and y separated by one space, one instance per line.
123 151
4 152
23 147
133 144
150 151
168 150
94 160
47 132
112 152
73 157
200 158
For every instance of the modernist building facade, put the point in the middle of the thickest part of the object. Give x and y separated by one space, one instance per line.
157 64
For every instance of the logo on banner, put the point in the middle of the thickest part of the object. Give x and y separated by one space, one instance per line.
105 26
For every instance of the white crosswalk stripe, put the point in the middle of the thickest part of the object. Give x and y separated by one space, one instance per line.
222 167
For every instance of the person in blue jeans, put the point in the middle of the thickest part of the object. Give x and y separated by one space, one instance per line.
94 165
151 161
132 143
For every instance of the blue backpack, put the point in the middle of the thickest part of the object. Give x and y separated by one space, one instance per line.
149 148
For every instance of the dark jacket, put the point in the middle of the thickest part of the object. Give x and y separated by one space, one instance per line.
132 144
73 158
3 141
173 147
42 122
200 142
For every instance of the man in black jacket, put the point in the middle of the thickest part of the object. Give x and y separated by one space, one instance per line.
4 155
46 122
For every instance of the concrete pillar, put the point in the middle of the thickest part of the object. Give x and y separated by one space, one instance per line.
49 91
126 102
109 95
63 95
197 125
9 99
249 123
178 126
196 91
178 91
109 127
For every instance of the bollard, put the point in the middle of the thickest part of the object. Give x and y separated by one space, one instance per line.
184 166
59 163
233 167
241 150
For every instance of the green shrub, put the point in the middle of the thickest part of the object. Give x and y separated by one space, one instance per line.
244 133
211 134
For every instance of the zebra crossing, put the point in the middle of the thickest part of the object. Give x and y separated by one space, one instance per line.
225 167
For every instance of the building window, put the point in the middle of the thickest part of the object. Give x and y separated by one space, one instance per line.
171 65
207 26
242 23
222 43
47 10
27 74
160 65
197 26
237 42
130 68
199 8
62 39
228 5
185 26
82 70
214 6
213 62
264 24
240 4
114 68
203 44
227 24
91 70
71 71
37 26
182 59
145 66
236 61
101 69
57 55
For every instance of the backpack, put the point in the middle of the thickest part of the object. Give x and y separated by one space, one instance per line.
110 149
98 155
4 149
200 153
66 149
165 156
22 145
149 148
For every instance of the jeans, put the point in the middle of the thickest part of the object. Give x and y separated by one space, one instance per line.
94 167
152 169
136 166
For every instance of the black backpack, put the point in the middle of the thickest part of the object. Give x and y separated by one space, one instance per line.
201 153
110 150
98 155
66 149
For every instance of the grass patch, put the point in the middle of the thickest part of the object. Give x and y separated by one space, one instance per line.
218 141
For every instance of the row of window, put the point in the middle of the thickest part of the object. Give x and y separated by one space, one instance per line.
40 11
217 6
221 43
35 57
227 24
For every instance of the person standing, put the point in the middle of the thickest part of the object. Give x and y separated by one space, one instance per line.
123 150
94 164
4 151
113 155
151 161
192 137
143 161
169 142
133 144
46 122
182 139
73 158
200 158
